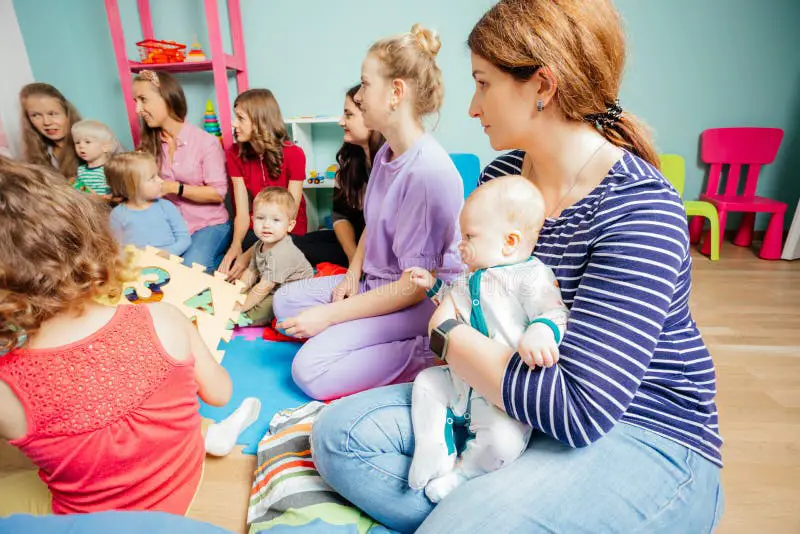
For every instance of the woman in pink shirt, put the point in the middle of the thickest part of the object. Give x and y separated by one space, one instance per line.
192 165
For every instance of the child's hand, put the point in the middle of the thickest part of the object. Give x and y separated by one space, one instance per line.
538 347
421 277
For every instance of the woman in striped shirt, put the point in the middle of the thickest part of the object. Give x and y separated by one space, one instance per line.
626 436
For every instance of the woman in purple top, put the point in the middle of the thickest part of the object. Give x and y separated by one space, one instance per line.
191 162
368 328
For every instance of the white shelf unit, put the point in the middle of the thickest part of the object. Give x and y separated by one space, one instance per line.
300 131
318 196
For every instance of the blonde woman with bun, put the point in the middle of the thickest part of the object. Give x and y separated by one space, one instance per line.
368 328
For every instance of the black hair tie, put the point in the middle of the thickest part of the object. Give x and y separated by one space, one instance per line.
607 119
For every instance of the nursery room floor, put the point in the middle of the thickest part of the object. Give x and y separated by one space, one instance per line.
749 313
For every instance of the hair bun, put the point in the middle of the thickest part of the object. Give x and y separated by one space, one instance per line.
428 39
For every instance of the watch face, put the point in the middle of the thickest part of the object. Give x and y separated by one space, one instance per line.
437 343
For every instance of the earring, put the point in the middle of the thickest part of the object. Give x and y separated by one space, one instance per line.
539 105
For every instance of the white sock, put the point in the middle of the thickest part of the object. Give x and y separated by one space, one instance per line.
221 437
430 462
439 488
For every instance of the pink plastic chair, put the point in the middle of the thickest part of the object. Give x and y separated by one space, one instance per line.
737 147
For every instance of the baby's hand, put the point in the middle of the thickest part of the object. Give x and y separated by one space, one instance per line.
538 346
421 277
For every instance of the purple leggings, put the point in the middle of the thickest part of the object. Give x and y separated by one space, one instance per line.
358 355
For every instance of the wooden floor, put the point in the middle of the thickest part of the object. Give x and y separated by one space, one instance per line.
749 313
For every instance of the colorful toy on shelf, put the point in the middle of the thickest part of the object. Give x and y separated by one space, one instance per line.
316 177
210 121
196 53
330 172
155 51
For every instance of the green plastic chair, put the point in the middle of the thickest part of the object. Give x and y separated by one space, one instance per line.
673 167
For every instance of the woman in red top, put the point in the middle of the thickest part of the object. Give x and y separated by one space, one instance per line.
102 400
262 156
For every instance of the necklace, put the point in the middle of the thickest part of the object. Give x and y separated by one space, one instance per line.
574 183
261 166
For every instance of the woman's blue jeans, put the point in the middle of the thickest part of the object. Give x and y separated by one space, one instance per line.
630 480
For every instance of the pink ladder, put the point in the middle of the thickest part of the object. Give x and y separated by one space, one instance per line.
219 64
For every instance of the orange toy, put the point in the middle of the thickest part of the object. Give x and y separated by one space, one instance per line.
196 53
157 51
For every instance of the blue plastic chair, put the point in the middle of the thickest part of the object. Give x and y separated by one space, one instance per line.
469 166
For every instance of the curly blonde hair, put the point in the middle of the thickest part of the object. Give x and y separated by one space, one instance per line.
56 251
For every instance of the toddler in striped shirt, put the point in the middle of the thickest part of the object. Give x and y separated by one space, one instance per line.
95 143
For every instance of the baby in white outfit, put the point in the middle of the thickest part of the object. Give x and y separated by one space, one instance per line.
507 295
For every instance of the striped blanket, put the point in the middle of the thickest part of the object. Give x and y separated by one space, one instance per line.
288 495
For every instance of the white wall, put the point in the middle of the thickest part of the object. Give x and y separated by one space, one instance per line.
16 73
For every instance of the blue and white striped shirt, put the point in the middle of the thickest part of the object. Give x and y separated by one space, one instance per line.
631 352
508 163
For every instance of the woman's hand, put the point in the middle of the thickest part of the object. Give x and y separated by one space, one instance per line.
230 257
233 263
347 287
239 267
169 187
307 323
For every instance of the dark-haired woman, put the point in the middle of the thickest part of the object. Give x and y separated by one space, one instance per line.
355 161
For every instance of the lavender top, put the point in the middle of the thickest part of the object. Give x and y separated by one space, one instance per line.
411 209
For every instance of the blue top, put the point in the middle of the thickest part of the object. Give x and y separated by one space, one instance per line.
632 351
160 226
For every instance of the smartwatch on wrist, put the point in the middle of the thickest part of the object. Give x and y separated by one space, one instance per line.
180 189
439 334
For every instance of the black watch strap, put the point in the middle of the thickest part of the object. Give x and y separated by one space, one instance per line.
448 325
438 341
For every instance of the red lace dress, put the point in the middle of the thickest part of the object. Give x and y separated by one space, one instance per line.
113 421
